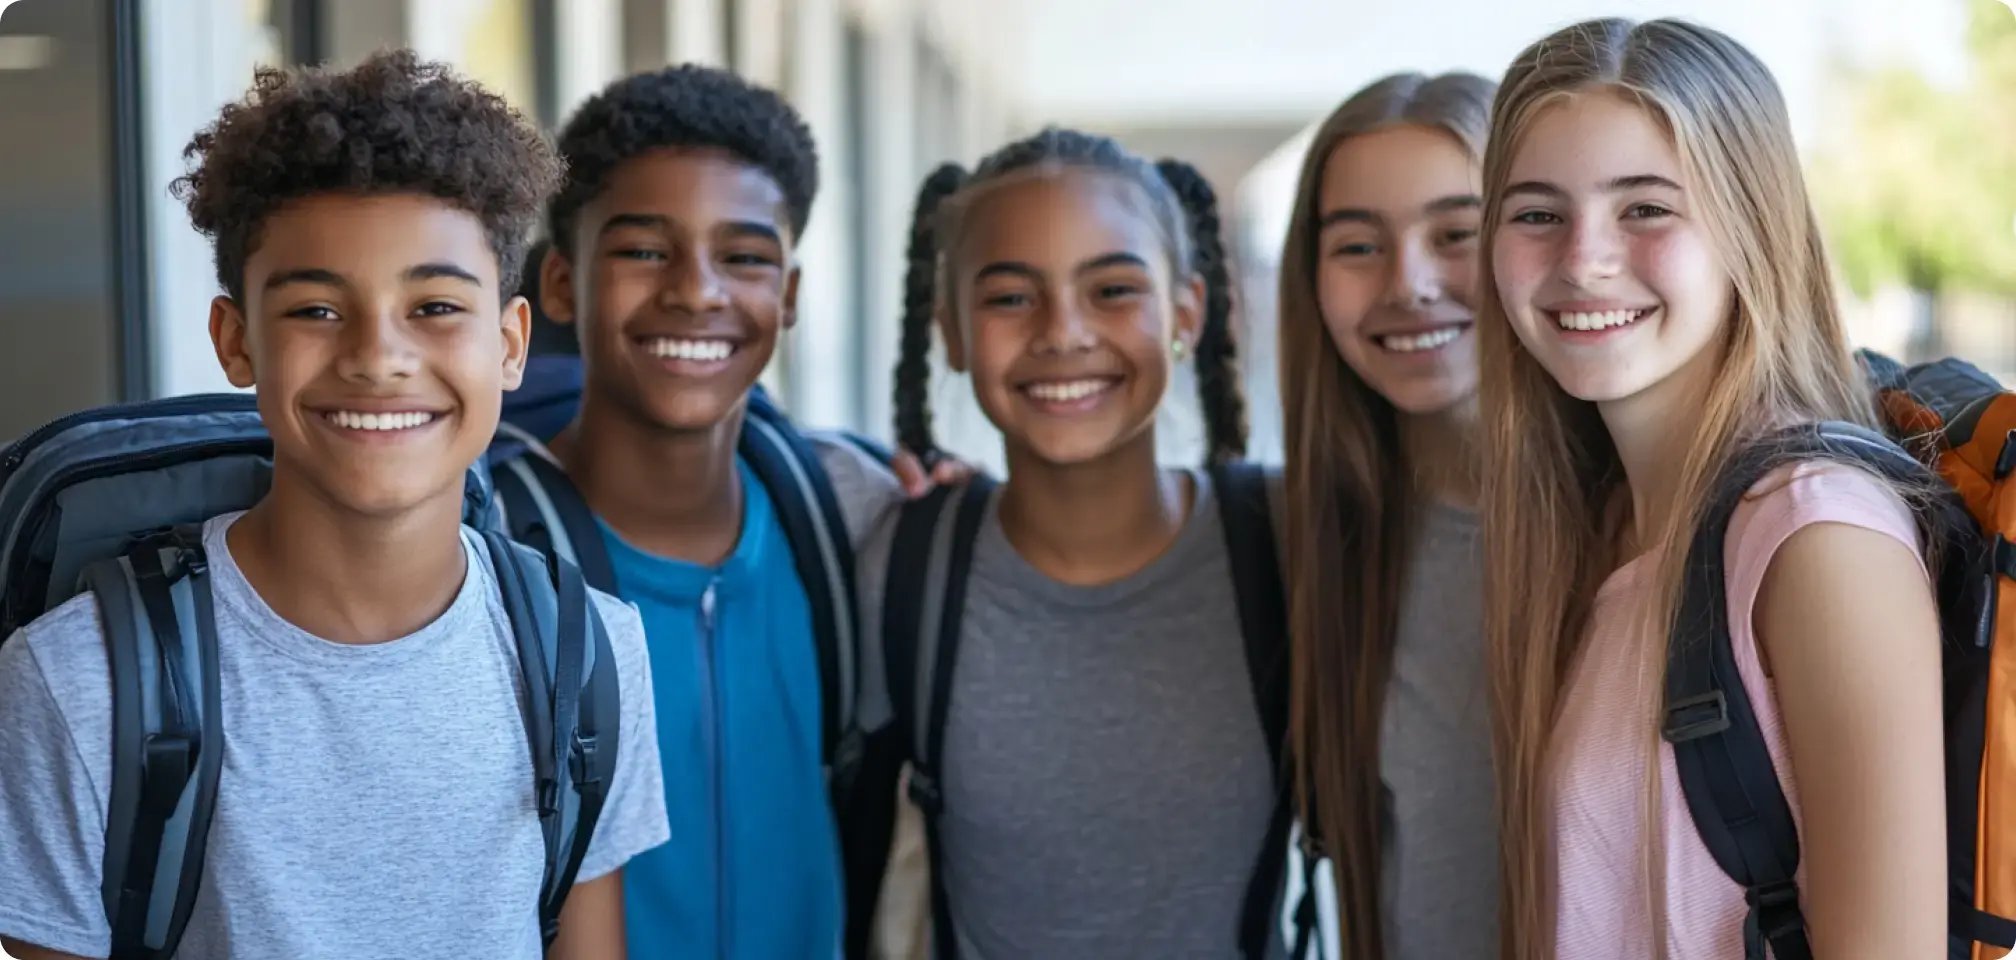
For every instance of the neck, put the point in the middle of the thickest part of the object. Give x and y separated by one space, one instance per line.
672 493
1442 454
1653 431
346 577
1093 522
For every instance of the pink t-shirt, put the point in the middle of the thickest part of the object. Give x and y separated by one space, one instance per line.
1604 735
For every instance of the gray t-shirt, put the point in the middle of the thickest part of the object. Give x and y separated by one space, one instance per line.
375 801
1441 876
1107 785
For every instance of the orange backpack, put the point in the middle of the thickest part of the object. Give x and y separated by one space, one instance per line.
1960 424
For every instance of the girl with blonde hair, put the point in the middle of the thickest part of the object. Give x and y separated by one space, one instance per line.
1656 302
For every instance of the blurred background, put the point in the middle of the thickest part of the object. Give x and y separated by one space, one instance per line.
1906 114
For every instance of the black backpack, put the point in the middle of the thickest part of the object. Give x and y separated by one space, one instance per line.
1962 423
929 562
543 509
111 500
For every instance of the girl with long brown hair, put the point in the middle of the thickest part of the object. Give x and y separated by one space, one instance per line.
1389 739
1656 301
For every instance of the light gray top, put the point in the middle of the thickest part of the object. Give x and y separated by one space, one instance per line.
375 802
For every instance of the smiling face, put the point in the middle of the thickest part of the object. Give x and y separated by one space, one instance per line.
1397 264
1064 308
372 330
1606 270
681 279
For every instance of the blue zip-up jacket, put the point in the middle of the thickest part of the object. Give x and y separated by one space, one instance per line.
753 866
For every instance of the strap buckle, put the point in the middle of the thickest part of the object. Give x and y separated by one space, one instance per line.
1776 908
1692 718
581 763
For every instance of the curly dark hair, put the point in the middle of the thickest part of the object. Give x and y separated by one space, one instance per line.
684 106
393 124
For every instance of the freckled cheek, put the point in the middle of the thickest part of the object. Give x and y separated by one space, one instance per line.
1459 278
1520 267
1678 266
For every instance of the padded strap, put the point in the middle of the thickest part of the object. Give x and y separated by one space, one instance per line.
544 511
1263 623
1725 768
167 737
923 604
809 512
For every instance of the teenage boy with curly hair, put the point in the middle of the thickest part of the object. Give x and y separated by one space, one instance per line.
376 798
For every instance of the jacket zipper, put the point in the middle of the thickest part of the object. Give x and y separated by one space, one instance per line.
716 764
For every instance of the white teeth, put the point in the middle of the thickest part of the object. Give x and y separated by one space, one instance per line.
674 348
352 420
1067 390
1577 320
1414 343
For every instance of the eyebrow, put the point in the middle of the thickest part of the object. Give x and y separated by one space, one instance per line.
1347 215
441 270
1455 201
327 278
1615 185
1017 268
654 221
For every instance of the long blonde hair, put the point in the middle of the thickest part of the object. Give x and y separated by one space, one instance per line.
1349 514
1548 457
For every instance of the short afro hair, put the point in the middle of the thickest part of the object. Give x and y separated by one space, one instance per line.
684 106
393 124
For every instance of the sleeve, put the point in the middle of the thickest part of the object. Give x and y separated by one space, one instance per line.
866 488
52 822
633 817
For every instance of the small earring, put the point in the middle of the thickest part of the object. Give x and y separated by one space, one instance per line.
1176 347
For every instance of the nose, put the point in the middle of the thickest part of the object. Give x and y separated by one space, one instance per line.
1415 278
692 283
376 350
1062 327
1594 252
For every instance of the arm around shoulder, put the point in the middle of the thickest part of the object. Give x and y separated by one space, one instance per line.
1848 625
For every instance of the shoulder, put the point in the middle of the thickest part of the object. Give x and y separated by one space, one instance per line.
865 486
63 650
625 626
1833 505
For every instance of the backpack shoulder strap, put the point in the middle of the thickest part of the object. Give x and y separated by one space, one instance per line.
789 469
543 510
924 600
923 604
1248 519
572 707
167 736
1725 769
1250 546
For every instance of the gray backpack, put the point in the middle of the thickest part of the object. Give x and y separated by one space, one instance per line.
111 500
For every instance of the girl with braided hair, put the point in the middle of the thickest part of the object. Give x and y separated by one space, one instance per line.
1089 736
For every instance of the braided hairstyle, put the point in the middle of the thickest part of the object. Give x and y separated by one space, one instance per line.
1223 402
1184 207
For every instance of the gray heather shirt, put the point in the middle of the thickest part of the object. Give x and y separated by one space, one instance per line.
376 800
1107 785
1441 883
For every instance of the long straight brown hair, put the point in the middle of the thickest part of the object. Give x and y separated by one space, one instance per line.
1350 515
1551 469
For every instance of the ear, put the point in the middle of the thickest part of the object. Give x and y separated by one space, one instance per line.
955 338
556 287
1189 317
228 334
791 298
516 327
